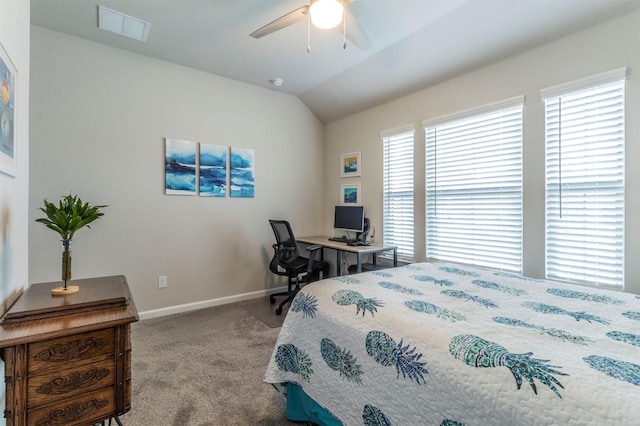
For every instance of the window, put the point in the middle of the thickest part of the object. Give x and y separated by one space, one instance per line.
474 186
398 190
584 169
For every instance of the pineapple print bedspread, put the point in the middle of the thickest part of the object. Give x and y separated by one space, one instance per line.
442 344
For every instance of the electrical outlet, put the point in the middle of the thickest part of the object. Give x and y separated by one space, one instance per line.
162 281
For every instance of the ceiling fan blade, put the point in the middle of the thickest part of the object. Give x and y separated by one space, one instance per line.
355 33
282 22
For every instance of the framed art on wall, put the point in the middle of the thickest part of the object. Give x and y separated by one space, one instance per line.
213 170
242 169
8 140
350 164
208 170
180 167
350 194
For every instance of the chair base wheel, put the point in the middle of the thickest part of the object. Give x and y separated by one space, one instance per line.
278 311
272 300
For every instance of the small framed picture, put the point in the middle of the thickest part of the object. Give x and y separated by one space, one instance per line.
350 194
350 165
8 145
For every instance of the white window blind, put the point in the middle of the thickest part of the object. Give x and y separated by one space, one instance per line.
474 187
398 200
584 171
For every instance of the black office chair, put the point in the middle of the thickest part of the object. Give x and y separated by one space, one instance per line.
287 261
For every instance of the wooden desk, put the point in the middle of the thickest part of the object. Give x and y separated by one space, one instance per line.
374 249
68 358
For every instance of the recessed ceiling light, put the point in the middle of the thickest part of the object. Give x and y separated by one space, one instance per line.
119 23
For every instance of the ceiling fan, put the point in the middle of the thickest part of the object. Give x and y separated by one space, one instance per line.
324 14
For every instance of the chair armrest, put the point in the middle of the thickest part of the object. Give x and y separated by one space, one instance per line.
313 251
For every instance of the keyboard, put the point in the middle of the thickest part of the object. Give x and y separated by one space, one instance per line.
359 243
342 240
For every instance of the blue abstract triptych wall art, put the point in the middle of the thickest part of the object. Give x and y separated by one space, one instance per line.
199 168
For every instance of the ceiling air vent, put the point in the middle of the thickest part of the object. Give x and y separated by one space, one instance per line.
119 23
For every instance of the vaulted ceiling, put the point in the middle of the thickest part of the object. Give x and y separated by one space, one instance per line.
414 43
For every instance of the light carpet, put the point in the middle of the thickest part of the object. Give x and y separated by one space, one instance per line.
265 312
202 368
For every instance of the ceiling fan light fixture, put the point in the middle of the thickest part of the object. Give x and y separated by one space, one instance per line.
326 14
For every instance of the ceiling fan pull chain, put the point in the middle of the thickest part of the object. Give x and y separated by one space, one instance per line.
308 33
344 30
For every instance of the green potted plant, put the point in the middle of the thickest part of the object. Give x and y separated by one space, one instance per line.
66 218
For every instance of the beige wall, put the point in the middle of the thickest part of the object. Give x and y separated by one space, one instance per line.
14 199
601 48
14 36
99 117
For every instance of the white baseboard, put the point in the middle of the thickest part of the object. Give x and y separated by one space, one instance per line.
170 310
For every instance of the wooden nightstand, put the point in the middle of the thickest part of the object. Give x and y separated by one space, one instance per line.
68 358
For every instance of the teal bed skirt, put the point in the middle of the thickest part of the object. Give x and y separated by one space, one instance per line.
302 408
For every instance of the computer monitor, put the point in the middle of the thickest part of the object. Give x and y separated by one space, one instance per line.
349 218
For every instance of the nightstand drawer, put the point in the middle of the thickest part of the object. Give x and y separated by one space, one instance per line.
65 383
83 409
58 353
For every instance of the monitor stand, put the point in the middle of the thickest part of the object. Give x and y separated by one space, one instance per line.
361 237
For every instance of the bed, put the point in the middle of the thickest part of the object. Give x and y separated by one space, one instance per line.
444 344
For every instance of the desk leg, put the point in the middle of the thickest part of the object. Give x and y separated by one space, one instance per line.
395 258
359 262
338 262
322 259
